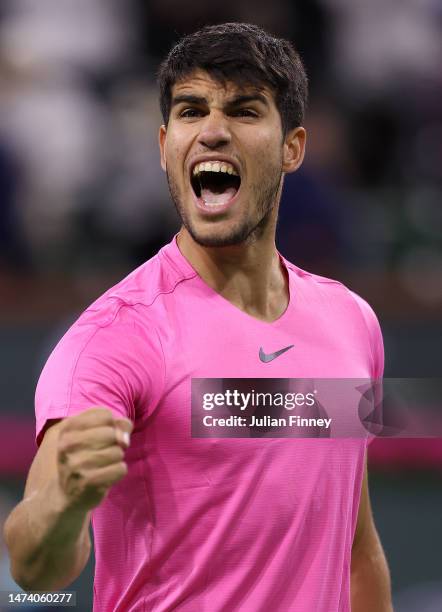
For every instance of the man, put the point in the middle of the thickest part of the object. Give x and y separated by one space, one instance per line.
207 524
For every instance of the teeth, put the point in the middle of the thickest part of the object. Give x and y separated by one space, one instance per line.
215 166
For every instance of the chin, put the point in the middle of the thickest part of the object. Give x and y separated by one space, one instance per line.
217 237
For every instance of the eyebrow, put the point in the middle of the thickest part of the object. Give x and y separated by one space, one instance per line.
236 101
244 99
188 99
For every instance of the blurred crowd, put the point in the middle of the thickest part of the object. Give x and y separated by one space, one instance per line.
80 181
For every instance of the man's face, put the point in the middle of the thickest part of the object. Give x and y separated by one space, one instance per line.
224 155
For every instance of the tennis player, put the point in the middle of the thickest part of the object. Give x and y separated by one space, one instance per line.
207 524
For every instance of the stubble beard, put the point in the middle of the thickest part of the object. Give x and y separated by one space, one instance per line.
248 230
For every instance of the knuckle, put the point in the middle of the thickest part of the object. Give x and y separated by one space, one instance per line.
103 414
67 424
62 451
118 454
96 482
123 469
92 416
75 464
66 442
99 409
112 433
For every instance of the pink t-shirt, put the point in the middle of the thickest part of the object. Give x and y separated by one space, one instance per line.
249 524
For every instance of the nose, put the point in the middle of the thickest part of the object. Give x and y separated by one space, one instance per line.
214 131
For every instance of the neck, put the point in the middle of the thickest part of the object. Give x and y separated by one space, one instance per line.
251 276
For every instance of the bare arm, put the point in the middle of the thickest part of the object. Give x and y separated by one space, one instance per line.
370 577
47 533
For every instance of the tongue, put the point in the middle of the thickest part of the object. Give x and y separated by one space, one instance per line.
218 199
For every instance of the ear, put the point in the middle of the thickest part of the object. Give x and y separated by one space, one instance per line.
293 149
162 143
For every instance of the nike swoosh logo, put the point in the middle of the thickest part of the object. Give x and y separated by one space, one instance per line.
266 357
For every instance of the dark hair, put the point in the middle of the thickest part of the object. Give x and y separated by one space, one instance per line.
246 55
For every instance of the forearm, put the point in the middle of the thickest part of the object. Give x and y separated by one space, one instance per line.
48 543
370 580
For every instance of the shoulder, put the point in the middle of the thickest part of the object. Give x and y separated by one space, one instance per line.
346 308
344 305
136 296
158 276
332 291
123 320
126 318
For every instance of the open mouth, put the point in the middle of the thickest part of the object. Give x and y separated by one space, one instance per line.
216 183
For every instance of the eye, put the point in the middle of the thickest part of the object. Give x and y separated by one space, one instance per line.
245 112
189 113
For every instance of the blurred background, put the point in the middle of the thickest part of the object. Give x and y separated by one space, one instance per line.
83 201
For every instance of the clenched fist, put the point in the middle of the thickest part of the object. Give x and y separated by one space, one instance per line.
90 456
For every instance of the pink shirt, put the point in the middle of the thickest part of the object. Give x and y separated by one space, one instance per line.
250 524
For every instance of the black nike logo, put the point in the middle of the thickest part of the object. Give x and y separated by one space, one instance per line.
271 356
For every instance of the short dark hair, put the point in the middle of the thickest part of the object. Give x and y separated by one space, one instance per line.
246 55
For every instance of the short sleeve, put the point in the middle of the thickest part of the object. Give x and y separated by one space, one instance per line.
375 337
111 357
376 348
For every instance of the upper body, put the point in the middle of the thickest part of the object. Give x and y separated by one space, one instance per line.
192 522
179 520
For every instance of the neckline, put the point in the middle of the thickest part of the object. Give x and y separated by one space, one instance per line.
190 272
